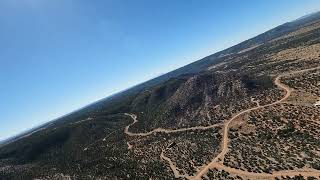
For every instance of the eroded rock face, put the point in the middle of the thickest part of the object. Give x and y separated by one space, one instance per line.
201 93
209 88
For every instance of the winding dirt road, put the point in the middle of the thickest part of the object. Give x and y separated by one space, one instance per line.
225 140
174 168
215 162
134 117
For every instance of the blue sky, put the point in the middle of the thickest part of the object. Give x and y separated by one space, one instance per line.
59 55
